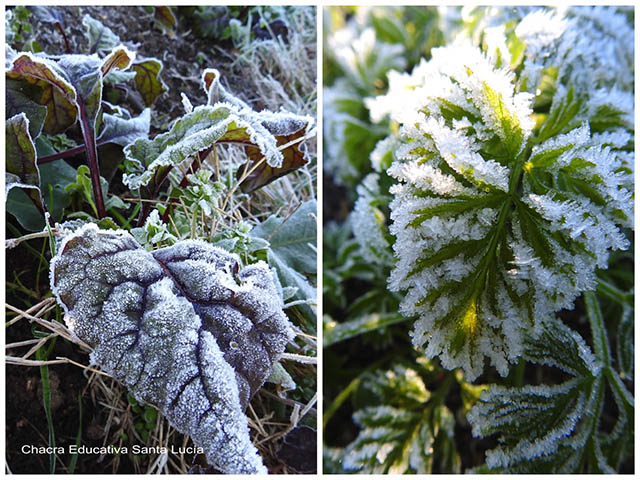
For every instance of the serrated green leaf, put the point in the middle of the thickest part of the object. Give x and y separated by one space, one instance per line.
552 428
399 435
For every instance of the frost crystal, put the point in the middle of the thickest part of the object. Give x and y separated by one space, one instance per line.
369 223
181 327
498 224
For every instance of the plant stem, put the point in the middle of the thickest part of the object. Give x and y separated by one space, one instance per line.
57 156
88 135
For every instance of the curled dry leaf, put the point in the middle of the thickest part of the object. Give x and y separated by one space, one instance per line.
184 328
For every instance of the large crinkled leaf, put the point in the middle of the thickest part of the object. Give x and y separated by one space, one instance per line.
20 156
555 428
147 79
184 328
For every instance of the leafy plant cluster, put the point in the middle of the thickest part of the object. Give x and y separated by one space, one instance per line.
493 210
79 152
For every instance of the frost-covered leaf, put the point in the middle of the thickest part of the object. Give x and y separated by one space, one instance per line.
147 79
554 428
70 85
398 436
369 223
124 130
20 156
495 229
101 38
293 156
150 160
289 133
183 327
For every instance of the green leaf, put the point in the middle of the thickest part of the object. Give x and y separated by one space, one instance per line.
339 332
293 239
399 435
22 208
554 428
510 131
292 254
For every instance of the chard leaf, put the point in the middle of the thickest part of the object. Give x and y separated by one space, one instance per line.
20 155
56 93
101 38
148 161
17 102
124 131
70 85
166 19
147 79
183 327
293 158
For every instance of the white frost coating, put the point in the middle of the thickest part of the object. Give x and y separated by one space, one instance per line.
182 327
369 223
455 206
395 437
